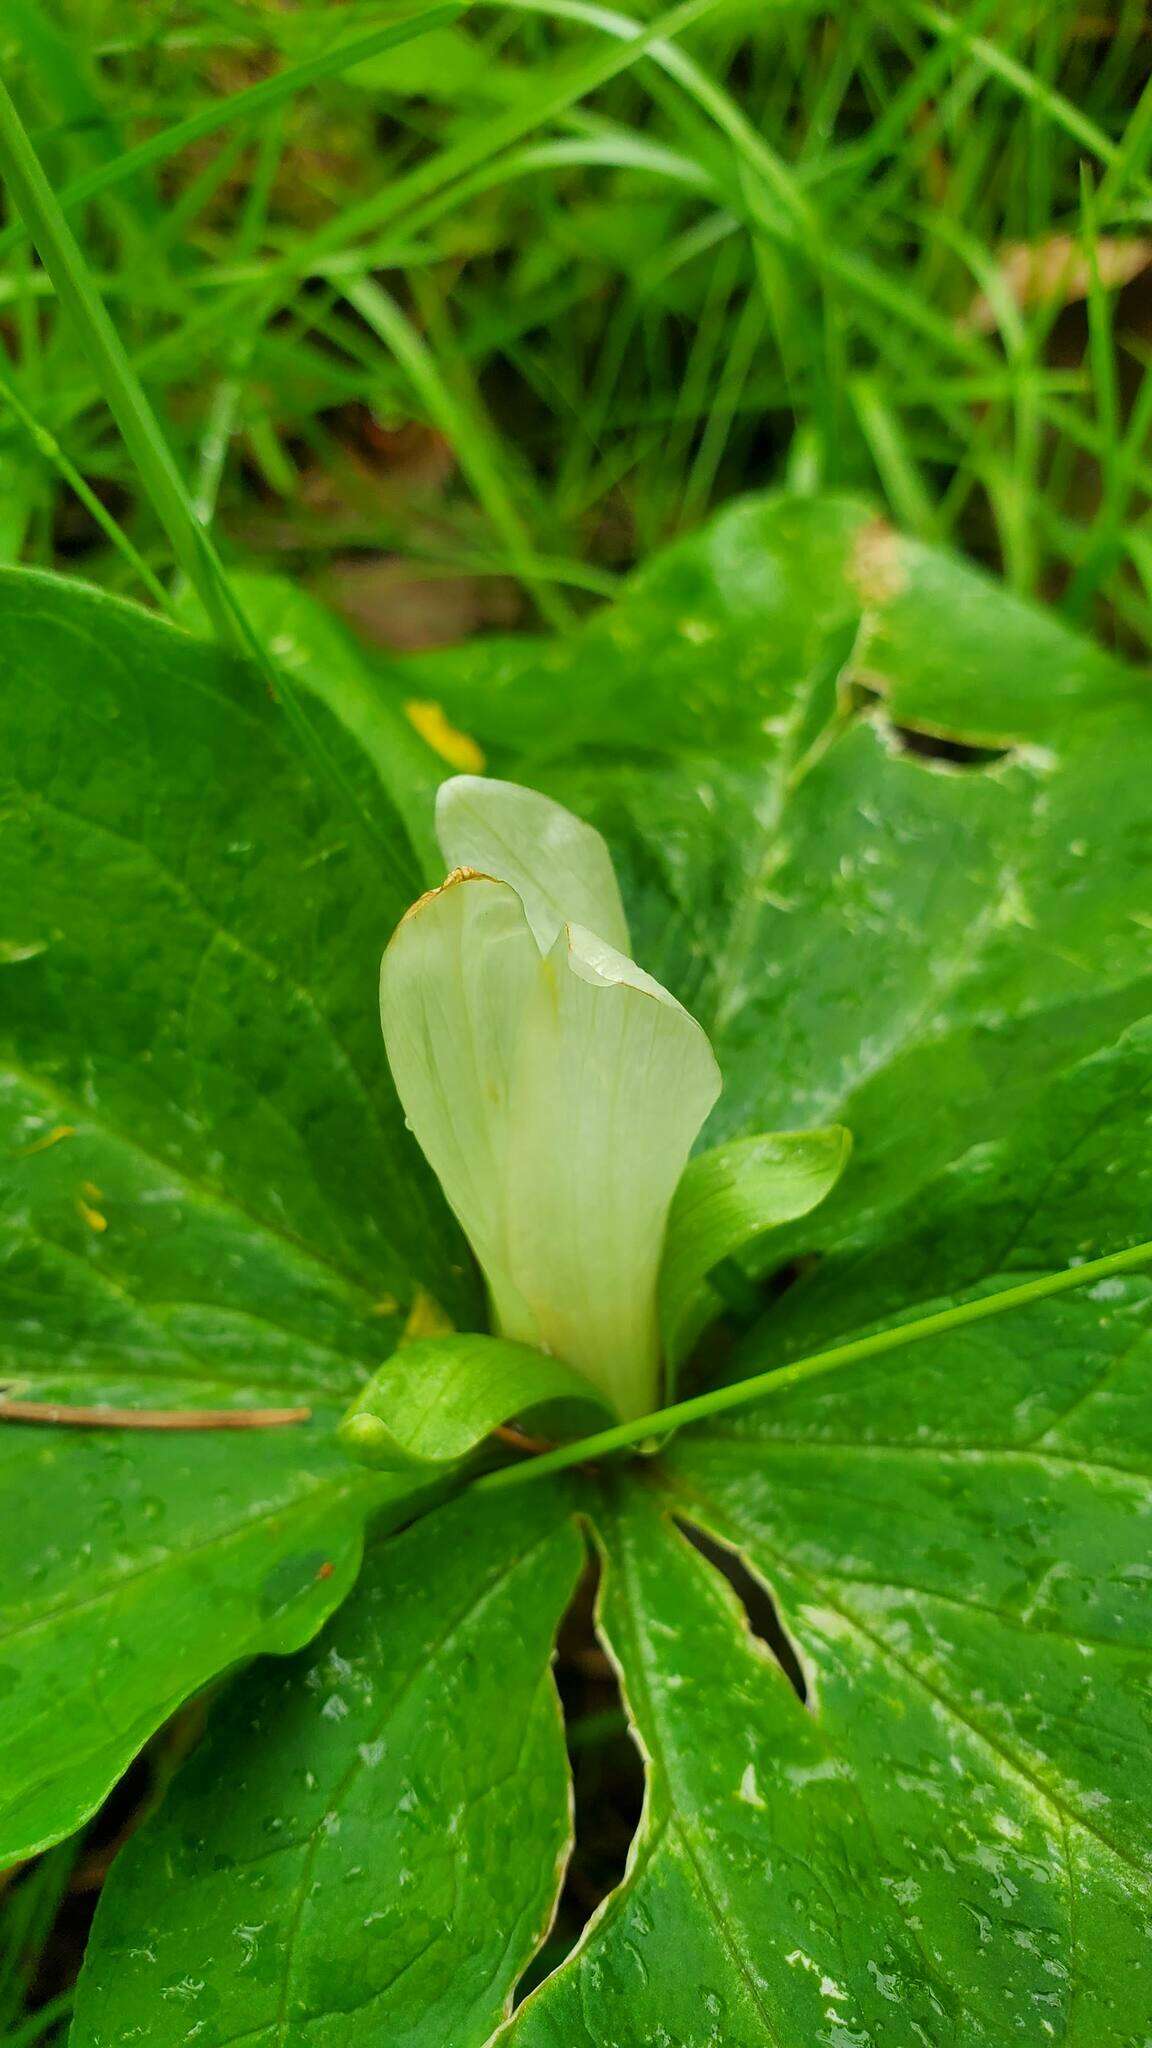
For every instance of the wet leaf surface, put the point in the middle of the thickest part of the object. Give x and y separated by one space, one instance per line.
345 1857
207 1195
942 945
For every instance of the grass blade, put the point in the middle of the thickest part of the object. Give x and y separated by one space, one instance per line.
140 431
242 106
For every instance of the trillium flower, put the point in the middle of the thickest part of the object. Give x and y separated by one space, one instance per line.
555 1088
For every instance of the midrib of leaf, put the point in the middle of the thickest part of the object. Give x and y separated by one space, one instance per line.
931 1594
963 965
1072 1893
677 1818
977 1454
357 1292
1046 1799
787 773
474 1608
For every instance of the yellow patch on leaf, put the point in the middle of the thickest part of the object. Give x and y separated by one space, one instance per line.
52 1137
426 1318
454 747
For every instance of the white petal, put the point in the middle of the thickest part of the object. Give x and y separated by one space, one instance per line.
613 1082
455 986
557 1098
559 866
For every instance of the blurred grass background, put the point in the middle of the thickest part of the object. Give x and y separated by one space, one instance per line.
458 331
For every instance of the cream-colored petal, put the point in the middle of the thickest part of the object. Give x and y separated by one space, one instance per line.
559 867
557 1097
455 986
612 1084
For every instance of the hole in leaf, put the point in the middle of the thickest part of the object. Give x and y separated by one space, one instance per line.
607 1778
864 698
759 1607
936 746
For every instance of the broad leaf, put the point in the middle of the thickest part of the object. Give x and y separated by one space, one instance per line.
947 953
207 1194
757 1904
136 1568
942 951
318 651
956 1823
369 1845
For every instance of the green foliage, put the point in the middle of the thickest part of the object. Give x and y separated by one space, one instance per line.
884 828
728 1199
435 1400
207 1198
622 279
371 1839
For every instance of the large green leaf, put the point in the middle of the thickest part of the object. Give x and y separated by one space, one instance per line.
949 954
136 1568
899 943
942 951
206 1191
958 1822
370 1844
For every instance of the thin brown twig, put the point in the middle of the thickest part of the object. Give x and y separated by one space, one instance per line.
62 1414
508 1434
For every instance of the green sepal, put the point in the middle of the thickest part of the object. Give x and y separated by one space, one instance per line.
435 1400
728 1197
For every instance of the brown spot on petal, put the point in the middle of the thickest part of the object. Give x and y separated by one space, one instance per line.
450 881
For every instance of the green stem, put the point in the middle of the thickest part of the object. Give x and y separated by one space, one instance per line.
744 1392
